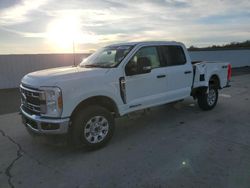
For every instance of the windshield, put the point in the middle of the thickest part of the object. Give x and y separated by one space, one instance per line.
107 57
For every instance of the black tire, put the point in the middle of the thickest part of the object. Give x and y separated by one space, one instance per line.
204 100
83 121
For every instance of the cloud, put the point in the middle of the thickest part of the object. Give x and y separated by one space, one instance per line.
7 3
191 21
18 13
25 34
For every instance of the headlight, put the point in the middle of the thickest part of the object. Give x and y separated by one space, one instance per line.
53 103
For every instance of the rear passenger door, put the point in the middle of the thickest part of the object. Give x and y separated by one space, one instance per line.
179 72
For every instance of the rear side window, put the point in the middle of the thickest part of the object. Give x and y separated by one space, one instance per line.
173 55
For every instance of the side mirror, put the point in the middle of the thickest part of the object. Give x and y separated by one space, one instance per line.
131 68
146 69
144 65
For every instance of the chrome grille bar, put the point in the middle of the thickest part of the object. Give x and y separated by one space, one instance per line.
31 99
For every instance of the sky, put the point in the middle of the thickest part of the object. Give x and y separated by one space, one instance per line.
56 26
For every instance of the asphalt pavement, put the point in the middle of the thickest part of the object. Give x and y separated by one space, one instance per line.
175 145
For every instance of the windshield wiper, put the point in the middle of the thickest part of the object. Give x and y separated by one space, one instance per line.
90 66
97 66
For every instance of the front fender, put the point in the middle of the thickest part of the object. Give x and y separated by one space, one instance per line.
72 101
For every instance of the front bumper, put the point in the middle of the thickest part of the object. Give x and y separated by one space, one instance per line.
40 125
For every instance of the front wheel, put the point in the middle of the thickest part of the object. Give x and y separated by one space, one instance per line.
92 127
207 100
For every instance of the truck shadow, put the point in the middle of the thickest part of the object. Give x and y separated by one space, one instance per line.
140 132
132 128
165 117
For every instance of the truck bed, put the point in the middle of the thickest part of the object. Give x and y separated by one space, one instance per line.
204 70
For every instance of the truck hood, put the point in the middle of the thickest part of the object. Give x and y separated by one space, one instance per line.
53 77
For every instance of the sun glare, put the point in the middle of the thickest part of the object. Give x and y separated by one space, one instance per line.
65 31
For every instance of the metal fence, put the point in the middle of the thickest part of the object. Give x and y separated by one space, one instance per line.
238 58
14 67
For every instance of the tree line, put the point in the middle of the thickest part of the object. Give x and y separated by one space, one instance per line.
230 46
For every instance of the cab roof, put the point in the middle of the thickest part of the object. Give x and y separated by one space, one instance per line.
145 43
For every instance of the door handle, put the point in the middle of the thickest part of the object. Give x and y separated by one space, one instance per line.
187 72
161 76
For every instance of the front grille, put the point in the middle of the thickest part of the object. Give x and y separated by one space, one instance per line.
30 99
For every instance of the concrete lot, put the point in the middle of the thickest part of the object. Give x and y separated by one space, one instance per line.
171 146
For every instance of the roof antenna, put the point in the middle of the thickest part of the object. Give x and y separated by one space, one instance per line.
74 61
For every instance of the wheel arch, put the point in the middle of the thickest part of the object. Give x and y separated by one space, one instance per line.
102 101
214 80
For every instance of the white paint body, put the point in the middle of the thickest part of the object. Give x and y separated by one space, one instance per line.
142 91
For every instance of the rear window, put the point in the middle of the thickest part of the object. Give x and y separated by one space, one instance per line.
173 55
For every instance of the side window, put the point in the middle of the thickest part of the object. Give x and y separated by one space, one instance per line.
174 55
146 53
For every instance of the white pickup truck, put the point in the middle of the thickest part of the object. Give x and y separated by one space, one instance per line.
82 101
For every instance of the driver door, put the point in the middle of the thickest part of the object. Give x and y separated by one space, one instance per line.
145 88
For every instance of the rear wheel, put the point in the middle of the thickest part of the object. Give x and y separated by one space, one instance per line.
207 100
92 127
